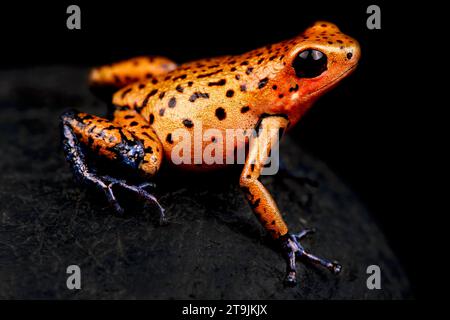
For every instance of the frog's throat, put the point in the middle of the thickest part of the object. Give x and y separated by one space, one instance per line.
336 80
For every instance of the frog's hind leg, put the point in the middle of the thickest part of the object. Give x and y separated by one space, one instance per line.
122 73
140 128
139 151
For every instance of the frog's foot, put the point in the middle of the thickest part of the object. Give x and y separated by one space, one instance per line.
106 183
292 249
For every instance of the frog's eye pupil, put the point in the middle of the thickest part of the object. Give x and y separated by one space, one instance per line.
310 63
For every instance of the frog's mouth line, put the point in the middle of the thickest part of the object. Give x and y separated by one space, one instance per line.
343 74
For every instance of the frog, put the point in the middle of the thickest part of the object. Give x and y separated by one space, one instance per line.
269 88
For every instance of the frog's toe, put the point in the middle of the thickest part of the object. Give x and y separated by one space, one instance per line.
146 185
112 200
137 189
292 249
304 233
290 279
106 186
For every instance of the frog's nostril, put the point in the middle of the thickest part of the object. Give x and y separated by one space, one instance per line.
349 55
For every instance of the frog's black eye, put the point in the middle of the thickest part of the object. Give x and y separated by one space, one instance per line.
310 63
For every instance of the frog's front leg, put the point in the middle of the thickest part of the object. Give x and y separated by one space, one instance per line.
128 141
265 207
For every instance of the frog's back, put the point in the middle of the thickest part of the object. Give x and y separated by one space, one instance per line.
220 93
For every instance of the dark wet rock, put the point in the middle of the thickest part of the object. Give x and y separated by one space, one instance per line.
213 247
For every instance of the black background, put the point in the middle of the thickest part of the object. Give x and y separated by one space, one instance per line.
362 129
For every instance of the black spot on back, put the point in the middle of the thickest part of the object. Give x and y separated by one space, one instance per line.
125 92
220 113
230 93
172 102
209 74
197 95
262 83
147 97
245 109
183 76
221 82
188 123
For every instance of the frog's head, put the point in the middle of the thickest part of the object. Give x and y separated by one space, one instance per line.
317 60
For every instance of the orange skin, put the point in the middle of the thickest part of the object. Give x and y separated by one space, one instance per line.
230 92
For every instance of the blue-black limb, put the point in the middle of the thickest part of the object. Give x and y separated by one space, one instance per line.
75 155
292 249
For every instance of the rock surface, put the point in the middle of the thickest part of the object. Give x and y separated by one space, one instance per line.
213 247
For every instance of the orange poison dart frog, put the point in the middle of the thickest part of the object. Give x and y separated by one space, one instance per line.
267 88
